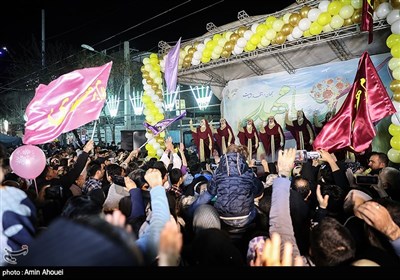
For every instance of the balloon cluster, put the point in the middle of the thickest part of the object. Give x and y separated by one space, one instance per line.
153 103
391 12
308 21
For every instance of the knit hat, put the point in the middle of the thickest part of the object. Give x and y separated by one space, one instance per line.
205 217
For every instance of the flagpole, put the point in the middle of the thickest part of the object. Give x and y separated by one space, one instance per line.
94 129
144 144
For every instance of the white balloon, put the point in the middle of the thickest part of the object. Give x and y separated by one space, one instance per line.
254 27
237 49
289 38
383 10
304 24
396 105
160 152
156 145
195 61
158 104
393 16
197 55
155 98
313 14
241 42
206 40
201 47
148 135
396 119
297 32
323 6
395 28
247 35
146 86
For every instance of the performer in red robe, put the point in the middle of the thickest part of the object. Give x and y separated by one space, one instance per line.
248 136
224 136
319 125
203 139
302 131
273 139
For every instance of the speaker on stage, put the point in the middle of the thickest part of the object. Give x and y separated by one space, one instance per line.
132 139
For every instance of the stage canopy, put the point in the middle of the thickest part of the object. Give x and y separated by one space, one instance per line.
342 44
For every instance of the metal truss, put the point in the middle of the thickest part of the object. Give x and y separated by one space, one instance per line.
254 67
340 49
212 28
215 77
348 31
285 63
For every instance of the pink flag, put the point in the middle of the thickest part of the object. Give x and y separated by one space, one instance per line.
171 67
67 103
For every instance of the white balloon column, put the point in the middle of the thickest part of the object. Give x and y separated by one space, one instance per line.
391 12
153 103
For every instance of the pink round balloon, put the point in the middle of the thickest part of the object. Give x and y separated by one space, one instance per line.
28 161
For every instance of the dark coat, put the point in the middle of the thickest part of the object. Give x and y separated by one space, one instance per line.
235 185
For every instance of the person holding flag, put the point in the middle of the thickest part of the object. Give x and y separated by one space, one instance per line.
352 128
72 100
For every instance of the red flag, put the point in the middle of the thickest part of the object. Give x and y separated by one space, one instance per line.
367 102
367 21
67 103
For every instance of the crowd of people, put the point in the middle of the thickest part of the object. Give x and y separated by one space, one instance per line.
99 206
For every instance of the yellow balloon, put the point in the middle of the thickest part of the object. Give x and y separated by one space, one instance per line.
315 28
395 142
392 40
269 21
394 130
334 7
261 29
394 155
324 18
255 39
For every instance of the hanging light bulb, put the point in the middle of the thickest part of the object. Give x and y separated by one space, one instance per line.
202 94
170 98
112 105
137 103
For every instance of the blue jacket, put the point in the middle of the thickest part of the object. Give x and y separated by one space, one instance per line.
235 185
